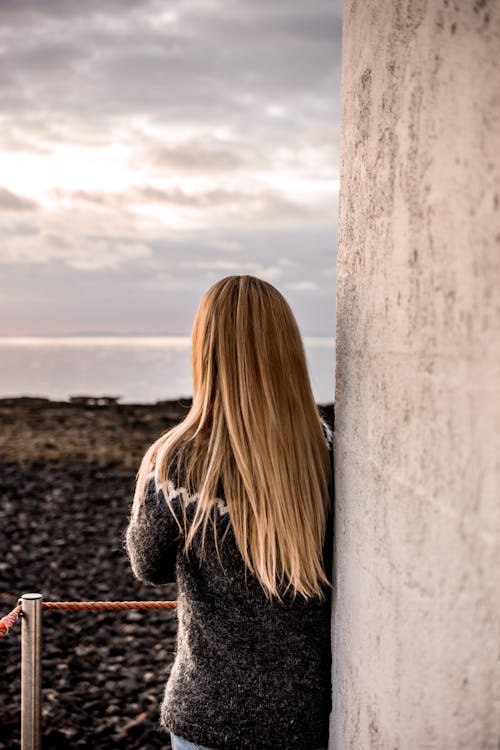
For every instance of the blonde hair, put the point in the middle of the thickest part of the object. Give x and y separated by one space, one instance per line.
254 430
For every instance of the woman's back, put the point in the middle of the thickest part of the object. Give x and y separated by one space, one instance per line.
249 672
236 504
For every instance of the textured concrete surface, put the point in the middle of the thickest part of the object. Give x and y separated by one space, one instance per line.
416 621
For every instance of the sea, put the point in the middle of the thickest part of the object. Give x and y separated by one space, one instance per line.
134 369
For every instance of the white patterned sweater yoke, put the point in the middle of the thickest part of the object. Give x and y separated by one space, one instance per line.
248 673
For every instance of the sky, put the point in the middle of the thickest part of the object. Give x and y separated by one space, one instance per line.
149 148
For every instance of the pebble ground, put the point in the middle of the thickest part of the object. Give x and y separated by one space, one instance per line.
66 483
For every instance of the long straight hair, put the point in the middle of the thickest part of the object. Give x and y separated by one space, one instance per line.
254 430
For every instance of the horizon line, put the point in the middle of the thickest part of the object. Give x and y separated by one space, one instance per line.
128 334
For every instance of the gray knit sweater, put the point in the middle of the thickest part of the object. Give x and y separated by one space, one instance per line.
249 674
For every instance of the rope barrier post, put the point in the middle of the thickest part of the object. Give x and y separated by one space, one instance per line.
31 673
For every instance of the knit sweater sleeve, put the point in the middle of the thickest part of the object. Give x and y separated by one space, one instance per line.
153 536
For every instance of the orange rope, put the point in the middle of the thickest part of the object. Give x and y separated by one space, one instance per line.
9 620
75 606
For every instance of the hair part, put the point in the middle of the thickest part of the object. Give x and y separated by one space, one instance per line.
254 430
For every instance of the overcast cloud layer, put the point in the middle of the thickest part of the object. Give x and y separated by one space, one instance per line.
148 148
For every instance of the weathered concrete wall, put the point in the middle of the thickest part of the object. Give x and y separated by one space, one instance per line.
416 622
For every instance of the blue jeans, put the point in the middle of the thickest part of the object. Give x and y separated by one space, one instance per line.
178 743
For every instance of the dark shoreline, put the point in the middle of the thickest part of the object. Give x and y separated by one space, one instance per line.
85 430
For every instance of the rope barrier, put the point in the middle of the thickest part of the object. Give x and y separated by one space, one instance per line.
9 620
106 606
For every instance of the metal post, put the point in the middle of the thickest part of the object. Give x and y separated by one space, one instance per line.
31 643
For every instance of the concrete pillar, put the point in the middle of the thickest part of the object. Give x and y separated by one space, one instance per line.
416 620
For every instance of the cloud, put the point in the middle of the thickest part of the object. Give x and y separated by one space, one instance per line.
158 289
95 197
200 155
152 147
262 203
213 61
202 90
207 207
11 202
305 285
81 253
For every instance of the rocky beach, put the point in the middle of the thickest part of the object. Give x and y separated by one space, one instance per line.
67 472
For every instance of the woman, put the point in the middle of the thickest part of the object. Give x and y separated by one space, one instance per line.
235 503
